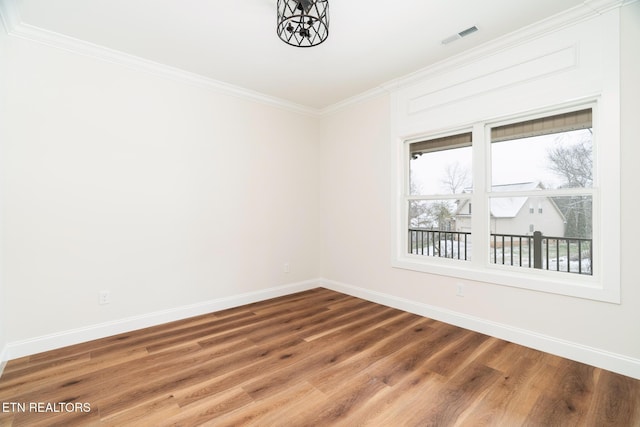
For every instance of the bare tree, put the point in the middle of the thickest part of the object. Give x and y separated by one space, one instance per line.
574 163
456 178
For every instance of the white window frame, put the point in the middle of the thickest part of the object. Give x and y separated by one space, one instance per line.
603 285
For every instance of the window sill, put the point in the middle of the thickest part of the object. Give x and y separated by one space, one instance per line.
572 285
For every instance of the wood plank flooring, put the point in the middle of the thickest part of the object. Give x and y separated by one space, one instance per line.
316 358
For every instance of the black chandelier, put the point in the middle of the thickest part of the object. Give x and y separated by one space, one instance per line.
303 23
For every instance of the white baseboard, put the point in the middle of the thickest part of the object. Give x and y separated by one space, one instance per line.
596 357
75 336
592 356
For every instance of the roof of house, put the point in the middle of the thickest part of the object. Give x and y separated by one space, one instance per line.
520 186
508 207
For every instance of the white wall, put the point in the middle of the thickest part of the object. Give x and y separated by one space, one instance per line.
3 112
357 246
629 311
166 194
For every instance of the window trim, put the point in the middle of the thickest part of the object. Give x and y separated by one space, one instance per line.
602 286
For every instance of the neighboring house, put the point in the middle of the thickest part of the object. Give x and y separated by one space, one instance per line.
517 215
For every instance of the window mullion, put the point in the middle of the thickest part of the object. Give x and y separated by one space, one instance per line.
479 199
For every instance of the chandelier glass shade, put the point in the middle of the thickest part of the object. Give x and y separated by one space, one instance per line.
303 23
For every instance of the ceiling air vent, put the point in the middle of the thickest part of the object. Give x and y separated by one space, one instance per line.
461 34
470 30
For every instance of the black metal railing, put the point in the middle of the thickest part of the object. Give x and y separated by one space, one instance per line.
440 243
566 254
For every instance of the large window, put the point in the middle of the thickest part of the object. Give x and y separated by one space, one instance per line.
513 201
541 193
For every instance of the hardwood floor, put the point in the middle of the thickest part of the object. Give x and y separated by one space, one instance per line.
311 359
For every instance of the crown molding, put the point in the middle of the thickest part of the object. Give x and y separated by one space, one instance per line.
10 17
354 100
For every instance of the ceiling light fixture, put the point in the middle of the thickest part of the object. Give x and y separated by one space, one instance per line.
303 23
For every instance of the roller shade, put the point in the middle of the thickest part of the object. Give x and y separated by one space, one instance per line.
438 144
574 120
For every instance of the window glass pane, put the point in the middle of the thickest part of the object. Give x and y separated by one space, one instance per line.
446 171
440 228
432 214
559 160
561 227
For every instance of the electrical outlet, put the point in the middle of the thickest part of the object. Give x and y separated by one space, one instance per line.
460 289
104 297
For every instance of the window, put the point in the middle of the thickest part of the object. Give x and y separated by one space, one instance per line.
548 162
537 218
439 197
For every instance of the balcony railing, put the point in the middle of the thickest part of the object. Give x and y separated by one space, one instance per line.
566 254
440 243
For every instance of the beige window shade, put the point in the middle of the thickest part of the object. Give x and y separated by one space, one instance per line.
547 125
438 144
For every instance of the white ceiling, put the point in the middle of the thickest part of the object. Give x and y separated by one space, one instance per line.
370 42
